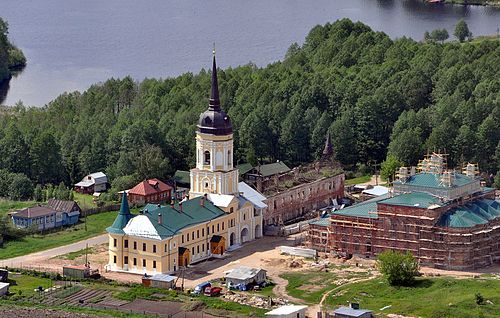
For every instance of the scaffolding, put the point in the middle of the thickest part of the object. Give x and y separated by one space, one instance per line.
471 170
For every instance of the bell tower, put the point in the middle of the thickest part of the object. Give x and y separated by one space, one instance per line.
214 171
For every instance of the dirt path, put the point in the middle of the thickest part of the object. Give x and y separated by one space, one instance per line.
313 310
40 258
280 290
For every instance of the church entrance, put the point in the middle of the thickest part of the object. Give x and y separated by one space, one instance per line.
232 239
184 256
258 231
244 235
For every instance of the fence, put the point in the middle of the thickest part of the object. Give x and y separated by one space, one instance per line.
106 208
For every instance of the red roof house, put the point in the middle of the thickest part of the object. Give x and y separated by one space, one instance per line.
149 191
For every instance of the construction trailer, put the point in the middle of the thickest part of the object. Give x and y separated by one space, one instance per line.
287 311
80 271
159 281
349 312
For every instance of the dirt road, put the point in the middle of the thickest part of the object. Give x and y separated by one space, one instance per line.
40 258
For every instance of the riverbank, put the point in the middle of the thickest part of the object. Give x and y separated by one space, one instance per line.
493 3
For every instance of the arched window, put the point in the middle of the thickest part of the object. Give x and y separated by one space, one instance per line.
206 160
229 157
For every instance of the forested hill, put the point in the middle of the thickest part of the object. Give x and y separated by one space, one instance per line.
10 56
374 94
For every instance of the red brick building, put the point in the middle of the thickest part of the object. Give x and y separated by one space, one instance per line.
446 221
149 191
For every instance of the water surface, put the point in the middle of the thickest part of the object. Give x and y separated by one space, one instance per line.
72 44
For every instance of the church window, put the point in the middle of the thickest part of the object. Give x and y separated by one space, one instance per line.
154 264
198 249
144 247
192 250
207 158
223 225
125 260
218 227
192 235
135 261
135 245
203 232
197 233
154 248
229 157
114 242
231 210
126 243
114 259
143 263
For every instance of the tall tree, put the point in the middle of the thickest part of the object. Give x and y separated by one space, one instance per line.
462 31
14 152
46 159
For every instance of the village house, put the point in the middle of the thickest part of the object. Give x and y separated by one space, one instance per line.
94 182
149 191
56 213
217 215
446 219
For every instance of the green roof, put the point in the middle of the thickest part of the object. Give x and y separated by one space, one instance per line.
122 218
244 168
321 222
431 180
272 169
174 220
471 214
413 199
182 177
366 209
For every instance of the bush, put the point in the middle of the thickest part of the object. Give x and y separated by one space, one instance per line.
399 269
479 299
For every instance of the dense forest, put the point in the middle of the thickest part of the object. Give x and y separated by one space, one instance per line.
11 58
378 97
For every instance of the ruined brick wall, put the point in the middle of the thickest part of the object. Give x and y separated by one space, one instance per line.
294 203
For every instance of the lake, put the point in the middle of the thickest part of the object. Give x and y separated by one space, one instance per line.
72 44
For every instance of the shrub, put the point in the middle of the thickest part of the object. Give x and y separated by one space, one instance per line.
479 299
399 269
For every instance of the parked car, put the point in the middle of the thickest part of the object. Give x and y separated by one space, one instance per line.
199 289
212 291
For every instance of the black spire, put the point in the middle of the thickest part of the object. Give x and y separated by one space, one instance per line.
214 103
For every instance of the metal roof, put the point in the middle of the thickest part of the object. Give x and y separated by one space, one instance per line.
244 272
351 312
244 168
163 278
414 199
471 214
286 310
123 217
252 195
272 169
34 212
431 180
173 219
376 190
362 209
321 222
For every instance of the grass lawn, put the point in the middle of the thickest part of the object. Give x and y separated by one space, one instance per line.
310 286
357 180
85 201
9 205
431 297
27 284
220 307
96 224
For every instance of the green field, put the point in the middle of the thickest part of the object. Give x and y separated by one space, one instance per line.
431 297
9 205
85 201
26 285
357 180
96 224
310 286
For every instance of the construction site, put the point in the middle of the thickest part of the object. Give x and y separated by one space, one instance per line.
447 219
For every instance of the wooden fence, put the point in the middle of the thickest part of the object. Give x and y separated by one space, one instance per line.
106 208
